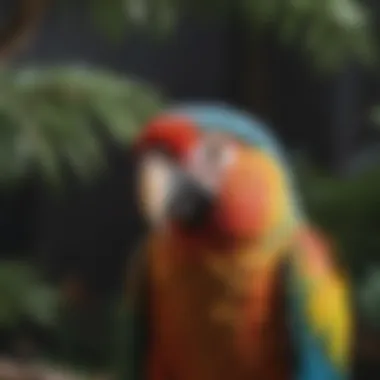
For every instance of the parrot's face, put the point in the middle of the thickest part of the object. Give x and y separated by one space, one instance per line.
207 183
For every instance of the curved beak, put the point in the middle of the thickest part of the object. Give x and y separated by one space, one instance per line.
170 193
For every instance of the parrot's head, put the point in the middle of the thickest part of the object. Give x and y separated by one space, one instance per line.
206 182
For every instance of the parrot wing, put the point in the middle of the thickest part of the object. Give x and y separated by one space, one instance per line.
320 312
132 327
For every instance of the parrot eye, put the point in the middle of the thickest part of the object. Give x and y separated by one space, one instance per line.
208 161
215 152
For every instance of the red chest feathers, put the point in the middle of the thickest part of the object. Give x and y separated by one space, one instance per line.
217 320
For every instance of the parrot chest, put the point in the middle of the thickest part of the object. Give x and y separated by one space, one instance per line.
218 318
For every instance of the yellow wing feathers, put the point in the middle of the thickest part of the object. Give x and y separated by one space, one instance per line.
328 299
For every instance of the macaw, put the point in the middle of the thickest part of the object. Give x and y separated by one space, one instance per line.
232 282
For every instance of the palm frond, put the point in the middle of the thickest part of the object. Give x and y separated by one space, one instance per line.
48 115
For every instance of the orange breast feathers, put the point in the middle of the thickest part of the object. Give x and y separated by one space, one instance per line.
217 317
253 196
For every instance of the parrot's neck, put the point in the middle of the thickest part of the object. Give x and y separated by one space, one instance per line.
208 239
225 308
278 239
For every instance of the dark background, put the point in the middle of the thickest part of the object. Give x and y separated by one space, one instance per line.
87 230
323 116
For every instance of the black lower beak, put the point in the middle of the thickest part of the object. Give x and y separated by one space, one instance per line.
190 204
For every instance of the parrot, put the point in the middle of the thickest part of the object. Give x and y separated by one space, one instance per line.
232 281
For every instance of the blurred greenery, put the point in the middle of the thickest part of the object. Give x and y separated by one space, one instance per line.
49 115
24 294
49 118
330 32
348 211
86 336
348 208
375 116
369 298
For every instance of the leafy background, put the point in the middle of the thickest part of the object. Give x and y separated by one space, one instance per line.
56 117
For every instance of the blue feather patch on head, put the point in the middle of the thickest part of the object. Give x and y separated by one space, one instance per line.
224 118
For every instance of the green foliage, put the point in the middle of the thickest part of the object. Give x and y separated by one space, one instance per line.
25 295
116 17
48 117
369 298
349 209
375 116
331 32
85 335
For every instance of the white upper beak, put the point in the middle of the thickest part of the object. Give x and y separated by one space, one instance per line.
155 182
